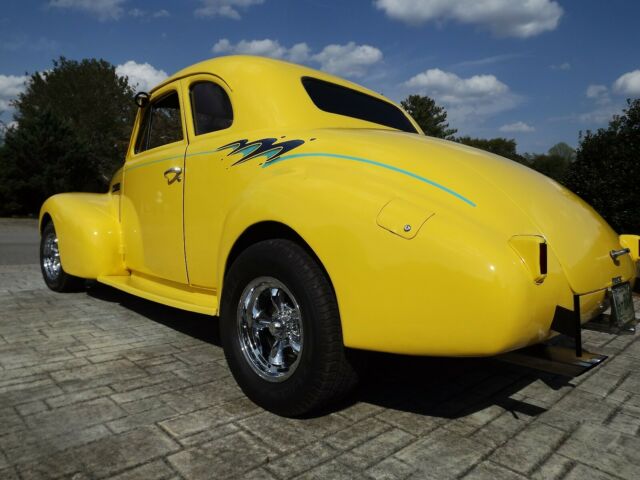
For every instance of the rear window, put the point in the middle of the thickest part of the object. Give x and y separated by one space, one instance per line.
341 100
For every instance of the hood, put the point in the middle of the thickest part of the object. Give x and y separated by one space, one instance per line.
502 193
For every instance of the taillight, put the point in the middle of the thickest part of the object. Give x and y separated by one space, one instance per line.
532 250
543 258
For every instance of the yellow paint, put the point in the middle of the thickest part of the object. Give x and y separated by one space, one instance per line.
152 230
455 285
528 249
169 293
632 242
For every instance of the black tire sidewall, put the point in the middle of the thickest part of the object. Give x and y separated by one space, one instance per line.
64 282
288 396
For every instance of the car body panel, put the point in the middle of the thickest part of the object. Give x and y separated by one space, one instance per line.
460 280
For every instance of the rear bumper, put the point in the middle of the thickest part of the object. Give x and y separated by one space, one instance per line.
571 322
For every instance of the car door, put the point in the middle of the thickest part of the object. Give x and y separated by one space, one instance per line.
209 116
153 181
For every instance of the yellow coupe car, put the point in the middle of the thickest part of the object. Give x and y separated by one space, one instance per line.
312 214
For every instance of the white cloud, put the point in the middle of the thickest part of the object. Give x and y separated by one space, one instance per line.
466 99
142 76
264 48
599 93
161 14
505 18
143 14
450 88
517 127
102 9
350 60
565 66
628 84
225 8
10 87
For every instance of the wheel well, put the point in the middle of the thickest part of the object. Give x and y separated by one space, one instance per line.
46 218
267 231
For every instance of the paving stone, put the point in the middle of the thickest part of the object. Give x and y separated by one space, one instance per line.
76 397
210 434
357 433
140 419
156 470
27 446
103 457
31 407
529 448
227 457
603 449
411 423
490 471
582 472
75 417
258 474
624 423
443 454
577 407
390 469
501 429
370 452
301 460
334 470
555 467
286 434
66 359
207 418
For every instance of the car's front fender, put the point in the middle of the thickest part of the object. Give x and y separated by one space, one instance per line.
88 233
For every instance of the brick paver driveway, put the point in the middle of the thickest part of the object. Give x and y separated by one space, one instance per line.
100 384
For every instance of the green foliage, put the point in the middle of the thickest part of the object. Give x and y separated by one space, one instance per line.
431 117
499 146
564 151
606 172
551 165
73 127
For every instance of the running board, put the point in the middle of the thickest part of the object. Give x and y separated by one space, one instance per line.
553 359
175 295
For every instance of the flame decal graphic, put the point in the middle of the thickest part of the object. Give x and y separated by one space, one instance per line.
266 147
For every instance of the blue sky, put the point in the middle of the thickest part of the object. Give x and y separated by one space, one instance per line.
538 71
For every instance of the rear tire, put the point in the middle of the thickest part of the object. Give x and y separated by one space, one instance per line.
281 330
52 272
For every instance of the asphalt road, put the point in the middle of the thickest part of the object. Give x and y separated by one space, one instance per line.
19 241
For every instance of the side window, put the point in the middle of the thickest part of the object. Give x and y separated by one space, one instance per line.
161 124
211 107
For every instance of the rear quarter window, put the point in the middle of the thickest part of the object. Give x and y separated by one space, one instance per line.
340 100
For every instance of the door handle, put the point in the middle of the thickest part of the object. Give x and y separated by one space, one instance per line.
176 172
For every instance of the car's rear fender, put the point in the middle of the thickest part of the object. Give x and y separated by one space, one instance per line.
88 233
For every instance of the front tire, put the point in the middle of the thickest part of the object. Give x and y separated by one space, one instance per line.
281 331
52 272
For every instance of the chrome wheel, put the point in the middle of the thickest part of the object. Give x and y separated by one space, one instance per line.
270 329
51 256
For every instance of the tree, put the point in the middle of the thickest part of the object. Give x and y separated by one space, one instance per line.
432 118
551 165
607 170
72 131
499 146
564 151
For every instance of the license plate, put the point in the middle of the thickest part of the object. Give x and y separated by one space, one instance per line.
622 304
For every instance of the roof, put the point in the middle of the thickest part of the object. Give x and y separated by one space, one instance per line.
268 93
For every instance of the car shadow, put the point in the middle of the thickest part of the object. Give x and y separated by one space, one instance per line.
437 387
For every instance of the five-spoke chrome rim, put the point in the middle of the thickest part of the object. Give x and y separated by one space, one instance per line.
270 329
51 256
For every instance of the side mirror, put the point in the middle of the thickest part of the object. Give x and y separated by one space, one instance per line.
141 99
